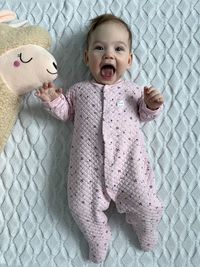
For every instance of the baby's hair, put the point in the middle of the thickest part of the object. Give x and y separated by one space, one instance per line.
99 20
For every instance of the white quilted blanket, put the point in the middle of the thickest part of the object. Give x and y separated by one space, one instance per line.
36 228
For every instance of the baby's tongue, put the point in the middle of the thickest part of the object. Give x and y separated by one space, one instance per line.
107 71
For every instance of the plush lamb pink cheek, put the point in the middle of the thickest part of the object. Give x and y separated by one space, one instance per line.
16 63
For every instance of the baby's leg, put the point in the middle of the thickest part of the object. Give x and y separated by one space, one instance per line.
143 210
88 213
145 221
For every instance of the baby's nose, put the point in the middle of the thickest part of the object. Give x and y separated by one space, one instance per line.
108 55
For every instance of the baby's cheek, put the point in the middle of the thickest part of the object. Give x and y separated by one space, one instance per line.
16 63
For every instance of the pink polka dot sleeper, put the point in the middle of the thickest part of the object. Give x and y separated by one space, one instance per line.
109 162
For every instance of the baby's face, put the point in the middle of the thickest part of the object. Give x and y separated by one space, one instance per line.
108 55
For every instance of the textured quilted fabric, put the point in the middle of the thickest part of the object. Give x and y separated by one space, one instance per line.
36 228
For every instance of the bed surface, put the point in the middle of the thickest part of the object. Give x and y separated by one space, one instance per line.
36 228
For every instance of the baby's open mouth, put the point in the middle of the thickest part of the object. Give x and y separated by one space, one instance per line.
107 71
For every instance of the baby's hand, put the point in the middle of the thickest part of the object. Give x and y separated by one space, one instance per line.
152 98
48 92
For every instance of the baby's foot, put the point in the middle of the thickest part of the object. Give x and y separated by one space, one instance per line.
99 244
98 254
148 241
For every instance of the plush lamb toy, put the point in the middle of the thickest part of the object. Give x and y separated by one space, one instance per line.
25 65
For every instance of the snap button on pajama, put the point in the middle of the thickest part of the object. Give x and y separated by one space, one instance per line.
108 161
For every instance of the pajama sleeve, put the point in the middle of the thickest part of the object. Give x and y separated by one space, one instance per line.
145 113
62 107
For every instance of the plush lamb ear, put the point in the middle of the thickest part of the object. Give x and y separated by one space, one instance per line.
19 24
7 15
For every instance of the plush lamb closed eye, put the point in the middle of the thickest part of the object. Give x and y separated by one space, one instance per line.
25 65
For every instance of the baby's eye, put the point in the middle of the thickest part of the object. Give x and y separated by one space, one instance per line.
98 47
24 61
119 48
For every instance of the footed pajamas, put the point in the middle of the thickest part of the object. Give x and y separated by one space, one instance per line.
109 162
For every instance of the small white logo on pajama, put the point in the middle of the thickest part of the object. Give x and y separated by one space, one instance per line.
120 103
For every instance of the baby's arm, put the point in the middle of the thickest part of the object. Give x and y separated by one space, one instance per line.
55 102
150 104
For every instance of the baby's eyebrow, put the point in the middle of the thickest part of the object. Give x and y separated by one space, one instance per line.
97 42
115 42
121 43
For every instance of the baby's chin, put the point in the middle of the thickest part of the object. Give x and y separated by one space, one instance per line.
106 80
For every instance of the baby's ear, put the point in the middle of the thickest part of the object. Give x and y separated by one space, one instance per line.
130 60
86 59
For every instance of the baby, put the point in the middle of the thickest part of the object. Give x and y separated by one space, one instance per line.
108 159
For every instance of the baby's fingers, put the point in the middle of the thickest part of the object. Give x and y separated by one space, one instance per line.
159 98
37 93
59 90
40 91
50 85
45 86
